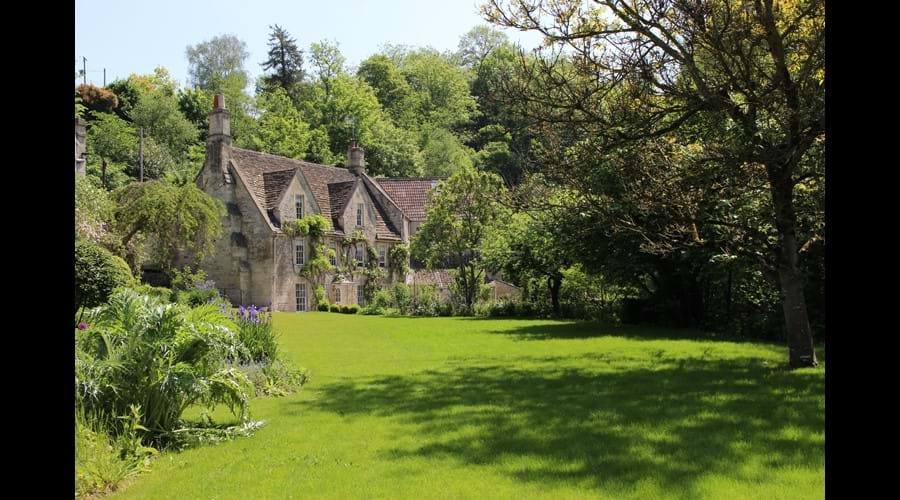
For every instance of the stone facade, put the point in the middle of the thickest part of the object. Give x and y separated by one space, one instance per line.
255 262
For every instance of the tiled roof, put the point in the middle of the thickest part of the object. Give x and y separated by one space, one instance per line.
410 194
274 185
339 195
384 228
439 277
268 176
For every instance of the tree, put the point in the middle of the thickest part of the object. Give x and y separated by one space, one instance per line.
391 88
285 60
176 220
328 62
751 71
97 99
280 129
212 62
444 154
441 89
476 45
113 141
158 113
93 211
459 215
392 151
527 246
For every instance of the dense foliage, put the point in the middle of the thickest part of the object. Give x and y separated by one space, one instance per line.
97 274
160 358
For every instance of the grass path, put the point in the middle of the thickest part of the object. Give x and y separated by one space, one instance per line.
469 408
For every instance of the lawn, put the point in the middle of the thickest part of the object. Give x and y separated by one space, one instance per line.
475 408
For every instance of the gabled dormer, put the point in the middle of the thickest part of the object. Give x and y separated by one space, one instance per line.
297 199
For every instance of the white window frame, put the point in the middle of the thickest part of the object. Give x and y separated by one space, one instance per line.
298 206
360 296
337 295
360 219
300 297
382 257
299 254
360 255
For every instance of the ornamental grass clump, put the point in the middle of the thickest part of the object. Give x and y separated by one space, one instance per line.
138 352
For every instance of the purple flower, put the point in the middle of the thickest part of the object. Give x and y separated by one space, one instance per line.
264 309
82 326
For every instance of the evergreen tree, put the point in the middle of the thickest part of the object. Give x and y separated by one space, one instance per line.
285 61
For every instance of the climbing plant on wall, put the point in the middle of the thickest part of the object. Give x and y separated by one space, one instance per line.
398 262
374 275
312 227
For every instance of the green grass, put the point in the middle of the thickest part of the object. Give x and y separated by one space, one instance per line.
474 408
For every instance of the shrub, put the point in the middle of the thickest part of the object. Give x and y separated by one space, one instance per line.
345 308
195 297
323 306
350 309
335 308
390 312
382 299
428 302
158 292
97 274
401 298
137 351
185 279
371 310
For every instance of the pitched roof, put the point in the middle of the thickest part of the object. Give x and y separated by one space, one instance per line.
384 228
439 277
339 194
268 176
274 185
409 193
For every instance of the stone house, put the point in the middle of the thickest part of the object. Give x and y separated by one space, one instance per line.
255 262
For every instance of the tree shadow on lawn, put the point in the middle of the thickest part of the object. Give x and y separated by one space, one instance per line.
574 329
608 429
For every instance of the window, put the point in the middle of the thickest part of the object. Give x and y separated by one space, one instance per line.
359 215
298 202
360 296
382 257
337 295
299 256
332 258
359 255
300 293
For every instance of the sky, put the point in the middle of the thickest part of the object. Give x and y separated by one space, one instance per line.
128 37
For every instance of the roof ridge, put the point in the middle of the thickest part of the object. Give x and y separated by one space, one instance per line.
409 178
301 162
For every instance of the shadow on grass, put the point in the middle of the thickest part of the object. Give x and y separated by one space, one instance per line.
671 423
574 329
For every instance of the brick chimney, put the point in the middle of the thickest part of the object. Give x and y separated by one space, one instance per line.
80 145
220 121
356 159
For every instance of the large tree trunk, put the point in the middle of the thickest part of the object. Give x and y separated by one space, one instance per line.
554 284
799 334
